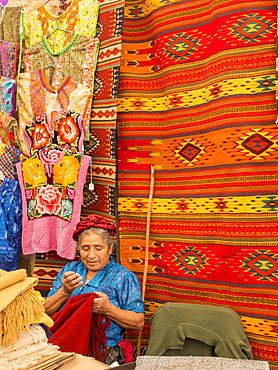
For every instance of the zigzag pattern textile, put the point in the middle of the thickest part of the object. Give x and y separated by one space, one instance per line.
197 101
102 145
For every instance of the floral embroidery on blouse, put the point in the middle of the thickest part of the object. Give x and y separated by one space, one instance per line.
65 172
36 98
33 173
50 181
63 129
48 200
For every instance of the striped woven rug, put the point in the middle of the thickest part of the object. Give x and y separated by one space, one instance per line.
197 101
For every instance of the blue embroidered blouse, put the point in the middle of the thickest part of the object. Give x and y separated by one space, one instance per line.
121 286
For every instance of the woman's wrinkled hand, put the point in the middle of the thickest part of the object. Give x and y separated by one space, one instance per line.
102 305
71 281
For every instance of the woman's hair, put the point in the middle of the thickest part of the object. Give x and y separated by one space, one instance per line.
106 236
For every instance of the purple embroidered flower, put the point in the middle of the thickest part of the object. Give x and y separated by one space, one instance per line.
71 193
28 193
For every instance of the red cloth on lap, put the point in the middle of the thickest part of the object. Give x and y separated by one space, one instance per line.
77 329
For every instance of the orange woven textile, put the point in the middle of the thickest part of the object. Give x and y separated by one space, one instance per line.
197 100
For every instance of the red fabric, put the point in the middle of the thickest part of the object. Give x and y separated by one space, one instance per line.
77 329
94 221
127 350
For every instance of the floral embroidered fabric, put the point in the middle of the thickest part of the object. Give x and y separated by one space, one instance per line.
35 96
56 197
63 129
50 182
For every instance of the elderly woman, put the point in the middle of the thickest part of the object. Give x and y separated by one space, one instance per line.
117 288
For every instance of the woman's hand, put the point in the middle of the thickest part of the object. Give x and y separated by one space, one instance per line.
71 281
126 319
102 304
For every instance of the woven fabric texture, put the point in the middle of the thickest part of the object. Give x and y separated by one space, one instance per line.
197 101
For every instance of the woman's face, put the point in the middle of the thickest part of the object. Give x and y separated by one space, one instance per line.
94 252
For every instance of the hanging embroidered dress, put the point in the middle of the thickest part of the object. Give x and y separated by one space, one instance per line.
36 96
8 130
80 18
9 54
51 201
11 24
9 156
10 224
77 59
60 131
8 95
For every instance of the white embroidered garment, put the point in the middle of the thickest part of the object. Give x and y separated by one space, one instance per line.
30 346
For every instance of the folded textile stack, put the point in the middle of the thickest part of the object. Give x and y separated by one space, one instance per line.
30 347
20 305
68 361
23 341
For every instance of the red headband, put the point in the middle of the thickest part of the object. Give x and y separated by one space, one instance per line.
94 221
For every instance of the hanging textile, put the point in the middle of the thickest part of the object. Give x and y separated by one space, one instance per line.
80 17
56 175
102 144
51 209
7 95
10 224
77 59
50 137
197 100
9 53
10 24
9 156
8 130
36 96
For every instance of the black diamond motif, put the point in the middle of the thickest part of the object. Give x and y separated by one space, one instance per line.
257 144
189 152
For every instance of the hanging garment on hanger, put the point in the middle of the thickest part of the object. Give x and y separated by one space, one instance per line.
10 224
10 24
9 54
8 95
51 232
8 130
8 159
55 175
77 59
36 96
80 17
